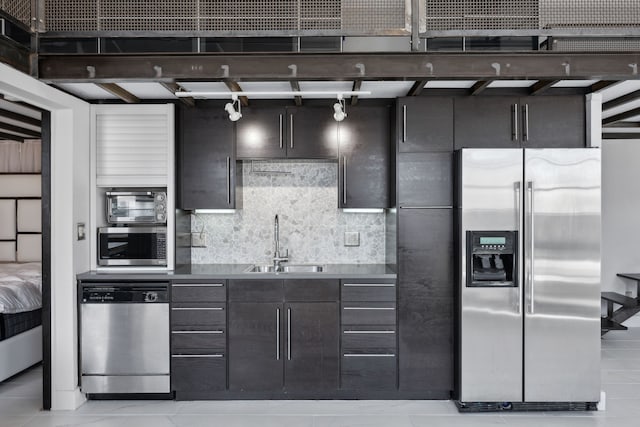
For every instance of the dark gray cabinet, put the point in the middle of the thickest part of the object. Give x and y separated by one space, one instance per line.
424 124
425 179
514 122
207 175
283 335
364 163
425 300
198 339
291 132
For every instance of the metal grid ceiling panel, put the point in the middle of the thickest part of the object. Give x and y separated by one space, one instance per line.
144 15
249 15
589 13
373 15
443 15
586 45
19 9
71 15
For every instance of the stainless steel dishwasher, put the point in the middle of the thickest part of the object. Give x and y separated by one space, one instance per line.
124 338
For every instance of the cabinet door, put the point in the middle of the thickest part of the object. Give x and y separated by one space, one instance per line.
312 133
487 122
364 172
425 124
255 346
553 122
425 299
312 346
206 160
261 133
425 179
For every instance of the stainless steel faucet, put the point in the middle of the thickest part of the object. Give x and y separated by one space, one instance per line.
278 258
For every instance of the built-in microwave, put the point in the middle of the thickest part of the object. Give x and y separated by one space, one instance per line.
136 207
132 246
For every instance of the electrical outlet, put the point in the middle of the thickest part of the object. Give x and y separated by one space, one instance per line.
351 238
198 240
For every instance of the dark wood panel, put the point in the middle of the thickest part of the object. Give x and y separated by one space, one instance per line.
203 340
199 292
381 339
554 122
369 372
368 313
425 124
256 290
486 122
314 133
261 133
312 348
195 316
198 374
312 290
425 179
368 291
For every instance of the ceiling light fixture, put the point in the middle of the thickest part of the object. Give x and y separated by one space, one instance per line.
234 115
339 109
274 94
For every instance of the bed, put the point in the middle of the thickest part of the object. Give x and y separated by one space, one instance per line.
20 273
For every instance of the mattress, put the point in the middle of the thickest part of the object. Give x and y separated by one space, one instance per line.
20 287
14 324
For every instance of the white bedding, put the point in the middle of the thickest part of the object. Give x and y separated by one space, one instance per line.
20 287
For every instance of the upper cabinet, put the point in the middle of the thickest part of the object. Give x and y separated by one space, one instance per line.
513 122
291 132
424 124
364 163
207 170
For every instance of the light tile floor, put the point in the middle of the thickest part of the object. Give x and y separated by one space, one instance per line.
20 402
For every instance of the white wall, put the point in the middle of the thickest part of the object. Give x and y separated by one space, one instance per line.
69 205
620 215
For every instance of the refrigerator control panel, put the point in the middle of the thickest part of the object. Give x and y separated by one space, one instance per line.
492 258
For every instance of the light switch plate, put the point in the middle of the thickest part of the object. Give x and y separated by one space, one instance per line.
351 238
198 240
81 231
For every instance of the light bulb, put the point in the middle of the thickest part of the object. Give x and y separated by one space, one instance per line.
338 115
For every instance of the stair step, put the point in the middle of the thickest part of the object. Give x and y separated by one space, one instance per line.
617 298
610 325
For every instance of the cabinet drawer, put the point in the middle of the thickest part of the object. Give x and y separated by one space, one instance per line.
198 373
370 291
214 339
369 371
311 290
198 316
198 292
381 339
256 290
368 313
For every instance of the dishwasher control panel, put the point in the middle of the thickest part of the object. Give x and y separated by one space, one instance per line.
109 294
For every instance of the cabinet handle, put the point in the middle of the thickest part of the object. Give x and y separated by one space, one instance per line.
277 334
197 308
368 332
197 285
370 355
190 356
426 207
197 332
514 122
291 130
229 180
404 124
281 140
344 180
359 285
531 282
369 308
288 333
525 124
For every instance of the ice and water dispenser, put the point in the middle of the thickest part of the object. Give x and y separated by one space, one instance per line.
492 258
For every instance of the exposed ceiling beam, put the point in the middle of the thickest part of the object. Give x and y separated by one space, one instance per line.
174 87
603 84
480 86
539 65
295 86
120 92
11 137
417 87
616 102
15 55
622 116
542 86
621 135
235 87
357 84
624 125
7 114
19 129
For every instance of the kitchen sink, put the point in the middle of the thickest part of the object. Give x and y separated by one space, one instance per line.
268 268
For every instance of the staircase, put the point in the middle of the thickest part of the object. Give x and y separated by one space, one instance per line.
626 307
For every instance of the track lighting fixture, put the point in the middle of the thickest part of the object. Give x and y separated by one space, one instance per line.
339 110
230 107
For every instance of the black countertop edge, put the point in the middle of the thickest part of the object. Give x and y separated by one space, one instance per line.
238 271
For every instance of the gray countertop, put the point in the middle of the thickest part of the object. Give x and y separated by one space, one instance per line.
238 271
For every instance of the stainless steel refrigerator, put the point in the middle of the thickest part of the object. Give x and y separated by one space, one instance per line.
529 275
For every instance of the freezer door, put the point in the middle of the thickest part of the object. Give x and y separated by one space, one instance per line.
562 275
490 193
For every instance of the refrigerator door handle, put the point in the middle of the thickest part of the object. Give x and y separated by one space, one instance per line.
516 190
530 190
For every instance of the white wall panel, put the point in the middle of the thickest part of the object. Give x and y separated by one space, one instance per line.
7 219
29 216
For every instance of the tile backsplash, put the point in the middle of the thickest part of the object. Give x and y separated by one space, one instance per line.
304 194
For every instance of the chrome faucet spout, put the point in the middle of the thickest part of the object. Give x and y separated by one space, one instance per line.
277 257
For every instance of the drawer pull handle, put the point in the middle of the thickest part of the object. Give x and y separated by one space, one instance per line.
197 332
365 285
197 309
201 356
370 355
369 308
198 285
369 332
